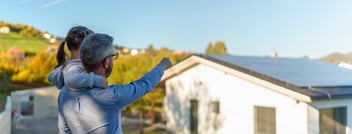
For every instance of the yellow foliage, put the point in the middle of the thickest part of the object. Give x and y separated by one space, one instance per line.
8 64
37 70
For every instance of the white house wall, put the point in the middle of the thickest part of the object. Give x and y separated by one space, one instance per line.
316 105
237 99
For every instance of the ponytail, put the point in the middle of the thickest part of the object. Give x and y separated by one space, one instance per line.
73 40
61 55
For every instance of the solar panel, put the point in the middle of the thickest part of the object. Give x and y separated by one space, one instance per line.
300 72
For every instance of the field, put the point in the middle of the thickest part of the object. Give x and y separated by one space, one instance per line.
28 44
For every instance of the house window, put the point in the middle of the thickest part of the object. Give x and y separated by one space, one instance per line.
194 116
264 120
333 120
215 105
27 105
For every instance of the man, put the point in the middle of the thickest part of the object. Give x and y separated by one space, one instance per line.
94 110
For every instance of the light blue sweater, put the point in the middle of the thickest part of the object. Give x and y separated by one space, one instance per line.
71 74
96 110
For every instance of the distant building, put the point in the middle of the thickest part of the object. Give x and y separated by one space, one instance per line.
224 94
128 51
134 52
274 55
52 40
46 35
4 29
345 65
14 51
49 37
137 51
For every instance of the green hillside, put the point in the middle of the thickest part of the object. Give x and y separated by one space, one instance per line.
24 37
26 43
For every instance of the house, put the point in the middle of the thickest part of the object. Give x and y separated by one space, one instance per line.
224 94
14 51
345 65
4 29
47 36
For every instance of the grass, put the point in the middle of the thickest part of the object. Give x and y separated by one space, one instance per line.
3 97
27 44
2 101
7 86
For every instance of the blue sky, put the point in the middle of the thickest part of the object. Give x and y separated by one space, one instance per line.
293 28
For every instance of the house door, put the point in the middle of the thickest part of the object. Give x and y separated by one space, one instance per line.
194 116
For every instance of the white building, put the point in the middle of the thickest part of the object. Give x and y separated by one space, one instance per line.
4 29
345 65
47 36
218 94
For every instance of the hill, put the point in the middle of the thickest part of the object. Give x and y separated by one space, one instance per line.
24 37
337 58
27 44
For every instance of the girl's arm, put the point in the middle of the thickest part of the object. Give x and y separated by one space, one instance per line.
73 77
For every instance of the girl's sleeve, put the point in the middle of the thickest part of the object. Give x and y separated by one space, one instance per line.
56 78
75 78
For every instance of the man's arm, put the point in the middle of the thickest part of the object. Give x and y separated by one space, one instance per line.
126 94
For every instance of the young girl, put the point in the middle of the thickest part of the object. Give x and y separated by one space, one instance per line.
70 74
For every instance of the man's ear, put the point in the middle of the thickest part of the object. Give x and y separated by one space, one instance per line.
106 63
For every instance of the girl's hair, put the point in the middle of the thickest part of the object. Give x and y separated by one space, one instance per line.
73 40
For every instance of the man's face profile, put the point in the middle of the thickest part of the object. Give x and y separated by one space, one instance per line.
109 69
111 59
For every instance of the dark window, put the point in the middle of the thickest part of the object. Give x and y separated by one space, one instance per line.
332 120
194 116
264 120
215 106
27 106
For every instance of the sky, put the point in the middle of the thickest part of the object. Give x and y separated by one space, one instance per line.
292 28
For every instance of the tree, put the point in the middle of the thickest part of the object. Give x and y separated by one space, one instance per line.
129 68
36 70
218 48
150 48
209 48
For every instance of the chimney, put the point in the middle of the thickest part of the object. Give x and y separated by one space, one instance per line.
274 55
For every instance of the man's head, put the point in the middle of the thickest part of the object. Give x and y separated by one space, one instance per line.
96 53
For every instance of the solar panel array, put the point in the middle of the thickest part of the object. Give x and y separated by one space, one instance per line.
300 72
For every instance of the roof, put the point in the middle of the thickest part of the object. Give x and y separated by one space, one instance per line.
316 79
15 50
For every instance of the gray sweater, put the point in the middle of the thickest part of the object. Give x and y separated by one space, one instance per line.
72 76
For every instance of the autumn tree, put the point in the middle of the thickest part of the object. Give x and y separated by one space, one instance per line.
150 48
209 48
218 48
37 69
